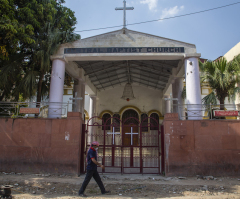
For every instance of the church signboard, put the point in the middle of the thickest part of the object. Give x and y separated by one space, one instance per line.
125 50
219 113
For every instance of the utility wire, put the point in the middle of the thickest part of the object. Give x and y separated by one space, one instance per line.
154 20
184 15
178 16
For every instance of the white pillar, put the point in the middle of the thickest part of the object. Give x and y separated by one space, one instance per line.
56 89
177 88
193 88
167 104
83 99
92 113
92 106
79 91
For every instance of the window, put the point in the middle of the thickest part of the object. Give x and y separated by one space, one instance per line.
154 123
116 121
144 122
128 117
105 118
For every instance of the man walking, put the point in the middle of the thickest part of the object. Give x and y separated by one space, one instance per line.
92 170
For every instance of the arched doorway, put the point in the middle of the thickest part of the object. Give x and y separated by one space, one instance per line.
130 135
130 131
126 144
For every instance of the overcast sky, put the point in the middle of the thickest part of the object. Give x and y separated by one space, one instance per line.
214 32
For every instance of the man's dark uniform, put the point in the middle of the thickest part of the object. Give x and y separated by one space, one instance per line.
92 172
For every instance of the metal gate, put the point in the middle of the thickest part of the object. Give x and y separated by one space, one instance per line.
128 146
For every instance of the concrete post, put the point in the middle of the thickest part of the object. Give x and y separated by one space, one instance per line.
193 88
177 88
83 98
56 89
93 103
167 104
79 91
92 113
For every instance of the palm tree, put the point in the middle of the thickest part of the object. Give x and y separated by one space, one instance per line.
222 77
47 43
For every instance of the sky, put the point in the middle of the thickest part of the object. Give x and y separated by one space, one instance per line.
214 33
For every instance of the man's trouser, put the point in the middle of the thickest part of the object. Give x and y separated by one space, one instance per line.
89 175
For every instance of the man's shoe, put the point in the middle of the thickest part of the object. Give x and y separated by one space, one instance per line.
82 195
106 192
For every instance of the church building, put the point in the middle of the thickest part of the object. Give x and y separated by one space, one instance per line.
128 77
126 95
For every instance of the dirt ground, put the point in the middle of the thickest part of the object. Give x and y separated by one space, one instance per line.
44 186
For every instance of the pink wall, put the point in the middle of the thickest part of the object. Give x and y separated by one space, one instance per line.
40 145
204 147
201 147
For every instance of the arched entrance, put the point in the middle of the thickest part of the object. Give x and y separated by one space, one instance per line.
127 145
130 135
130 129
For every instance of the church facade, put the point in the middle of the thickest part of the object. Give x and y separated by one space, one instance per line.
124 96
102 65
128 77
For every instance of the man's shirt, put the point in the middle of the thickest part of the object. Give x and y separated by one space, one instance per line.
90 155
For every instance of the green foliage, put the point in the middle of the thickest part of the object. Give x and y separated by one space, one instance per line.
30 32
210 99
3 53
14 31
184 93
222 77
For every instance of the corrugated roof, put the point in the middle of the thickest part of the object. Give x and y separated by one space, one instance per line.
150 73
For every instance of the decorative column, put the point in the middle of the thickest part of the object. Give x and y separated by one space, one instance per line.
92 113
56 89
193 87
79 92
167 104
177 88
83 98
92 108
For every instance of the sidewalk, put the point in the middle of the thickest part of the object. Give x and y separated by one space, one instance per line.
121 186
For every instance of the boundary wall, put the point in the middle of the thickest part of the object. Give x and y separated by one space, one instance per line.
41 145
201 147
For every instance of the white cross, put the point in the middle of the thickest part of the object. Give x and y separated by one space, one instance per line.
113 133
124 8
131 135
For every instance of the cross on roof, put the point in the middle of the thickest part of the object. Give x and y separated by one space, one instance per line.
124 8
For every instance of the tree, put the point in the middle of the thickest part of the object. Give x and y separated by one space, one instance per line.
13 34
222 78
57 26
12 30
51 24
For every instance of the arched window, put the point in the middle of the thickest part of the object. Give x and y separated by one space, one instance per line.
130 114
105 118
154 123
116 120
144 122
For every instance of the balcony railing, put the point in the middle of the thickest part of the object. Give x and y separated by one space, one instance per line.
34 109
209 112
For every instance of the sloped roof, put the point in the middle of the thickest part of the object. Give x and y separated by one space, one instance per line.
154 73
